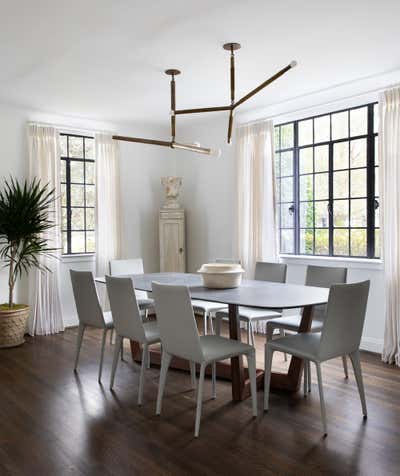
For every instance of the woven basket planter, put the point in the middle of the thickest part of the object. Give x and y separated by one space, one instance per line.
13 326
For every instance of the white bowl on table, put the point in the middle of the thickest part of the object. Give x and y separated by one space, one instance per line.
221 275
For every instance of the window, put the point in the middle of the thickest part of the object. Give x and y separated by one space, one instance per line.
327 188
77 193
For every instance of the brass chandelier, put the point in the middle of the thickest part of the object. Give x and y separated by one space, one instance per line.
232 47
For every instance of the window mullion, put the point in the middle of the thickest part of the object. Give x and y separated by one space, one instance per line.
370 184
296 188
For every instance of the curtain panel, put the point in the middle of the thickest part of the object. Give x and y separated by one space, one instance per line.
389 182
44 164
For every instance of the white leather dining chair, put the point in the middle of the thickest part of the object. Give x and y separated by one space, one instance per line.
207 308
129 324
273 272
89 311
180 337
318 276
340 335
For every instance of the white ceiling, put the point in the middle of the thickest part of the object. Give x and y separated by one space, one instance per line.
104 59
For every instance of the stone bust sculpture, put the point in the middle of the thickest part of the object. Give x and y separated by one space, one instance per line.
172 188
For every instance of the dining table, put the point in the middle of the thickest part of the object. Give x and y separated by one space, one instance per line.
259 294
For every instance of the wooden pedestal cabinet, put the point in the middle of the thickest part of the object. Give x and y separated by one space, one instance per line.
172 240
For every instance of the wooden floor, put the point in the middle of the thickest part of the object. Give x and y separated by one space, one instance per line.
55 422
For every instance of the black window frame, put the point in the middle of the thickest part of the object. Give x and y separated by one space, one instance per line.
67 183
372 201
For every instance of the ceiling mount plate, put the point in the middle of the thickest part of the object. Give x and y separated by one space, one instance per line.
172 72
232 46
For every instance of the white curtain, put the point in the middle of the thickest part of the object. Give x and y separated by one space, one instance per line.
256 221
389 184
108 221
44 164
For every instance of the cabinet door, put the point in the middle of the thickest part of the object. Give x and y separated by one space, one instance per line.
172 246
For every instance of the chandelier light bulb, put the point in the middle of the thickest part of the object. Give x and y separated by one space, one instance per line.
293 64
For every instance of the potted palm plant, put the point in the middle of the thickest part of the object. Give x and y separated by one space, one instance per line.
24 219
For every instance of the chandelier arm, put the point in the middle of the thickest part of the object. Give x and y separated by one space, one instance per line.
141 140
263 85
230 125
172 108
203 109
232 77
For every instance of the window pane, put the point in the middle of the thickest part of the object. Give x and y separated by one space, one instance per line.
306 215
376 151
90 242
64 243
89 172
287 189
341 184
358 212
376 181
63 195
287 136
376 118
358 182
89 148
287 241
341 213
77 218
276 137
63 146
63 171
341 242
286 216
90 195
321 242
321 191
306 242
286 163
77 195
358 153
77 175
78 242
358 242
90 220
306 187
359 121
75 147
321 158
306 132
377 243
341 155
340 125
63 218
322 129
321 214
306 160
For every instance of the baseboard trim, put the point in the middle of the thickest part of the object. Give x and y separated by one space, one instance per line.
372 345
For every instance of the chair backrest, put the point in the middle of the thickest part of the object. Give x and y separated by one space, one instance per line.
124 308
86 299
273 272
126 267
176 322
324 277
344 320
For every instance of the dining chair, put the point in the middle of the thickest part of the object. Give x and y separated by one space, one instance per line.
89 311
129 324
180 337
273 272
340 335
207 308
318 276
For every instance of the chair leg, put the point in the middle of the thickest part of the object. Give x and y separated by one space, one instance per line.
111 336
199 399
205 322
282 334
117 350
305 378
267 375
309 376
210 320
142 372
103 343
81 331
252 341
122 348
248 332
321 398
345 368
214 379
165 361
251 364
355 360
148 358
193 374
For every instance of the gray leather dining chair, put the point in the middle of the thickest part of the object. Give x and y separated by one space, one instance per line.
180 337
272 272
129 324
318 276
340 335
89 311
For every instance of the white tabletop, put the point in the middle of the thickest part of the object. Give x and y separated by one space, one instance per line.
251 293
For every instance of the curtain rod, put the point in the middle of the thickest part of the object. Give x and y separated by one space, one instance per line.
308 108
81 130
